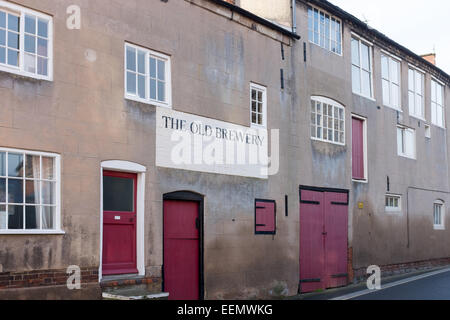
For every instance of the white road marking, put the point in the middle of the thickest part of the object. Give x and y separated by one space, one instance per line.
390 285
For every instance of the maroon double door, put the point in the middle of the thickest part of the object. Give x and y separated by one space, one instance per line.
323 239
182 247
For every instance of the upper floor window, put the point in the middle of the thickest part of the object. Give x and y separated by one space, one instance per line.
327 120
324 30
406 142
25 41
437 104
390 75
147 76
438 215
416 85
258 105
29 192
362 68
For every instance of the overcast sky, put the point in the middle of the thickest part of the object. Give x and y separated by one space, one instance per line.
421 26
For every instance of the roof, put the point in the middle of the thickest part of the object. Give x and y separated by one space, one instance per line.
256 18
375 33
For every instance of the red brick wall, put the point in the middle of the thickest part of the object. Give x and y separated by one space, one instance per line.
38 278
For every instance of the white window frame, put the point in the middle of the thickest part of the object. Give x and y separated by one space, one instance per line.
435 104
326 46
257 87
360 67
57 230
334 104
404 143
390 81
412 112
22 12
392 209
440 226
366 162
168 77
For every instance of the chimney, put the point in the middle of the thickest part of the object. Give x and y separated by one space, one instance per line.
430 58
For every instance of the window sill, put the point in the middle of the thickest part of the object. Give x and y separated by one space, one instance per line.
329 142
149 102
395 109
406 157
325 49
18 72
365 181
363 96
417 117
32 232
438 126
439 228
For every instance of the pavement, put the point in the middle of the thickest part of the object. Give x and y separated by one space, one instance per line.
431 284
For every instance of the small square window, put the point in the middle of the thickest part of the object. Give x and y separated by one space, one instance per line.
438 215
265 217
427 131
393 203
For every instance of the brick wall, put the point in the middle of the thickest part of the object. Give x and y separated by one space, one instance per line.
39 278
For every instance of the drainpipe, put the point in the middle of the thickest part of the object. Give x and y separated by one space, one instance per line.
294 17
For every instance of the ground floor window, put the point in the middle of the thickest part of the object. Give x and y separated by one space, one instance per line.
438 213
393 203
29 191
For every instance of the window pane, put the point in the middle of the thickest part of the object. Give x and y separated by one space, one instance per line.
366 85
48 193
386 94
32 218
2 164
15 217
30 44
161 70
418 105
13 22
43 28
141 62
141 86
439 95
2 19
131 82
32 192
153 67
42 66
131 59
13 40
418 83
355 52
32 167
395 96
15 191
48 218
2 55
13 58
3 217
356 81
30 63
118 194
161 91
3 190
385 67
153 89
2 38
411 79
394 71
30 24
42 47
15 165
365 58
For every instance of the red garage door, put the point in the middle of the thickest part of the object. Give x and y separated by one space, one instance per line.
182 250
323 239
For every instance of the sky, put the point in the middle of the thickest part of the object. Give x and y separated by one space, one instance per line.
421 26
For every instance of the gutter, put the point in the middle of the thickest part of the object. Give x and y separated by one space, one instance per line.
256 18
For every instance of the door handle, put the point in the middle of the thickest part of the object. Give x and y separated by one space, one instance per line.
324 233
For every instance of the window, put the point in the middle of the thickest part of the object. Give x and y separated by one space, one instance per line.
437 104
427 131
29 192
147 76
324 30
393 203
362 68
438 215
390 75
406 142
327 120
25 41
265 217
258 105
416 84
359 152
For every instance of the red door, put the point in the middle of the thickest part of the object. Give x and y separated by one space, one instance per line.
323 240
358 170
119 223
182 250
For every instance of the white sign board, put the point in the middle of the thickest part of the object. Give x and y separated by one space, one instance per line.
189 142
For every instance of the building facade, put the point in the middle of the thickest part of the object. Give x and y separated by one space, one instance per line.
218 156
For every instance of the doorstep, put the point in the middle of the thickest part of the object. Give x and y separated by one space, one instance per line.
132 287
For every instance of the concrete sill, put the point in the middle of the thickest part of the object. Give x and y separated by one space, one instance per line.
159 296
32 232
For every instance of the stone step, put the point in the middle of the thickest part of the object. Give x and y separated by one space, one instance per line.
132 287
